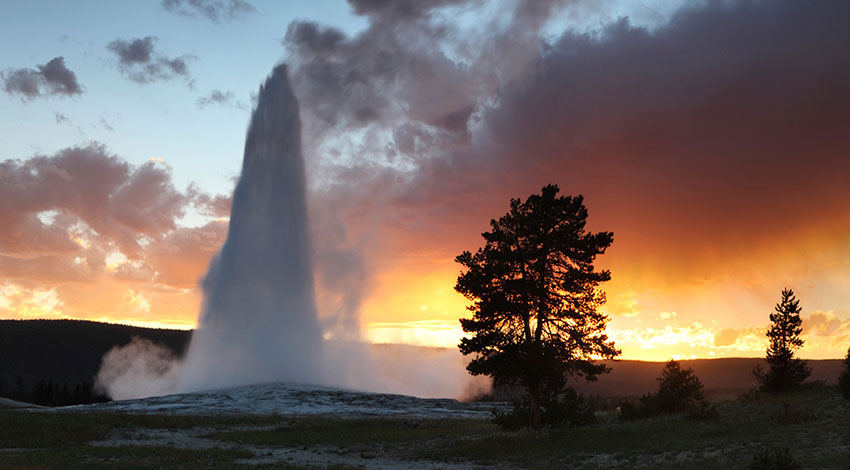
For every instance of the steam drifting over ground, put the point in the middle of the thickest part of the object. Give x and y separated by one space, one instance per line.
140 368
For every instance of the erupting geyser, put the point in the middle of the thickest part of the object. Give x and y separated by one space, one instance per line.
259 322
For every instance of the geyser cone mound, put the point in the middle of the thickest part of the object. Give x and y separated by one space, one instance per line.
259 320
290 399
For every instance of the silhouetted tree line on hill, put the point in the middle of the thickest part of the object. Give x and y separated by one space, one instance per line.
54 362
49 393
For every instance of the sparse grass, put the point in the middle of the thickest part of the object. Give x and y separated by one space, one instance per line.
30 429
728 441
126 457
59 440
820 441
309 432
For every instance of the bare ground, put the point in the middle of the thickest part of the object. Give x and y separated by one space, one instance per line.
322 456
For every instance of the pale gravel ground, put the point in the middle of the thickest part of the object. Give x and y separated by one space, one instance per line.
314 457
289 400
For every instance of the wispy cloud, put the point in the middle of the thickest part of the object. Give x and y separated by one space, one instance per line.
61 118
220 98
139 62
51 79
213 10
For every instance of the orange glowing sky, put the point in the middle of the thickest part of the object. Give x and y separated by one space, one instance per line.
713 142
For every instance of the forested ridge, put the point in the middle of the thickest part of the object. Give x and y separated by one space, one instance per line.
54 362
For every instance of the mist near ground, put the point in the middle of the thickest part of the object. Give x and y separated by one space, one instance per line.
142 369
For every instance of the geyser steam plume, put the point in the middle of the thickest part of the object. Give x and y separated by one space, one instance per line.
258 322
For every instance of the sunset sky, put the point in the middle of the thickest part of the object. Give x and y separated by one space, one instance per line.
712 138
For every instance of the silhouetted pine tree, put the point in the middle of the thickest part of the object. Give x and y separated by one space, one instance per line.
679 391
536 318
785 371
844 378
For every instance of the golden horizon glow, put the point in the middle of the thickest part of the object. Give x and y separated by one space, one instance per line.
697 306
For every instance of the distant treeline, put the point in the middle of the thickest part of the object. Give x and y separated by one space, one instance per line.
49 393
629 379
54 362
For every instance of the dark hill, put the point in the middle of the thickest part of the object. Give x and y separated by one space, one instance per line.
69 352
66 352
721 377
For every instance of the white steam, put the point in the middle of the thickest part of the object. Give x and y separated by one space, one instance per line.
259 321
403 369
140 368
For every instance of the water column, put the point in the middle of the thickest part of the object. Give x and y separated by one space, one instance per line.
258 321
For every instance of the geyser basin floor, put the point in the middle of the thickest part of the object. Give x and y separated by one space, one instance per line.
102 439
292 399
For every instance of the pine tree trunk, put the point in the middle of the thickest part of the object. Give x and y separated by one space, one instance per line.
535 416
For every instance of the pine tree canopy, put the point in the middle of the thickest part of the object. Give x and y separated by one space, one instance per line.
785 371
784 333
535 296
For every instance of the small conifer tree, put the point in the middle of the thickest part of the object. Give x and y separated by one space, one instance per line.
786 371
679 391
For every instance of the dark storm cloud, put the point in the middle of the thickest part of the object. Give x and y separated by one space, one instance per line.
213 10
401 10
724 129
52 78
369 78
139 62
701 120
412 68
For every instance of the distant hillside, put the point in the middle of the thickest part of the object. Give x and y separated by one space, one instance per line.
67 351
720 376
723 377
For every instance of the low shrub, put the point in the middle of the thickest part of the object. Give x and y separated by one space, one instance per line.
679 391
793 414
702 411
771 458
